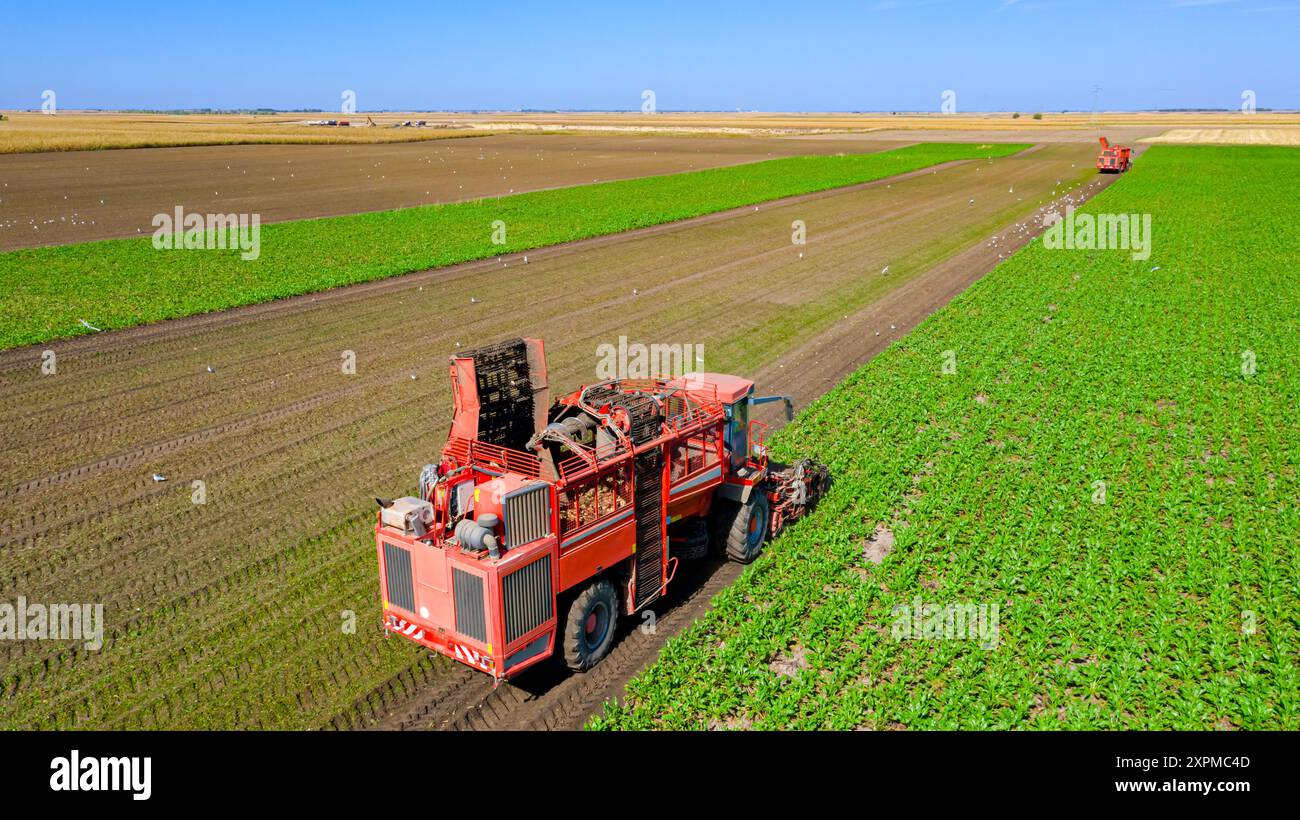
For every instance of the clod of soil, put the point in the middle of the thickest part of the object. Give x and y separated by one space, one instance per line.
879 544
788 665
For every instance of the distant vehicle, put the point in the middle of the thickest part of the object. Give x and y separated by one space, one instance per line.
1114 159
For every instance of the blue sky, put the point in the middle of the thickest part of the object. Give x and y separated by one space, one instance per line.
1025 55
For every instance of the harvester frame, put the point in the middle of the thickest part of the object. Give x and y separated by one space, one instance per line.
542 523
1114 158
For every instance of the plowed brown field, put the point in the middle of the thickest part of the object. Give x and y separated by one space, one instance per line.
234 613
61 198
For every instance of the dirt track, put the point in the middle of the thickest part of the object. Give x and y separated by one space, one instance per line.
60 198
227 614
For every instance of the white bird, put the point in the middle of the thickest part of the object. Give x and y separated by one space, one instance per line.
885 269
159 477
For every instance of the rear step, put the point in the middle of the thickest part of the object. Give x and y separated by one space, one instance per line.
649 527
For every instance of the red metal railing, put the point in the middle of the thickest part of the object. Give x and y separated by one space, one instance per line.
483 454
590 458
701 407
704 397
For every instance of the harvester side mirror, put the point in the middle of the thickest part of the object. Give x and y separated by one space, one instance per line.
789 404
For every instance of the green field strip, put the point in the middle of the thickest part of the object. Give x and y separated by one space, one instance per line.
49 292
1162 598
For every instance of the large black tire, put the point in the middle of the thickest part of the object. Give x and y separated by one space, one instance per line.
741 529
589 625
721 517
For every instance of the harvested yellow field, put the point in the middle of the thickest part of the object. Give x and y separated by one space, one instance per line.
759 122
28 132
1230 136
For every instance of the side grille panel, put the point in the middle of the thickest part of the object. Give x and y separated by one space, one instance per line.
528 515
528 598
397 569
467 590
649 526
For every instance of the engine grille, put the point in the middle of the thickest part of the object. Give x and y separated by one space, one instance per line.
397 569
467 592
528 599
528 515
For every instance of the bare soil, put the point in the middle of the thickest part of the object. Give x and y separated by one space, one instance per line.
80 196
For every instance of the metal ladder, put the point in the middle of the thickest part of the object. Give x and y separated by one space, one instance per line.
649 526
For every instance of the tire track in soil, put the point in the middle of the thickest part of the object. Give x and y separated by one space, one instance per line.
549 697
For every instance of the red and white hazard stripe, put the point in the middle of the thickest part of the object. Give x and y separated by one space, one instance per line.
471 656
462 653
410 630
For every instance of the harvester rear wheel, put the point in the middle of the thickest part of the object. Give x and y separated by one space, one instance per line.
743 527
589 625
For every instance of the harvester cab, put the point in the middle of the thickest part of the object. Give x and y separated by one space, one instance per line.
544 521
1114 159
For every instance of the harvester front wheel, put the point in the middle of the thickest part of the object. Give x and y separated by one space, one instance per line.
589 625
746 529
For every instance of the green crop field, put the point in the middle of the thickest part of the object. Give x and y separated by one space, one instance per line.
1090 457
120 283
